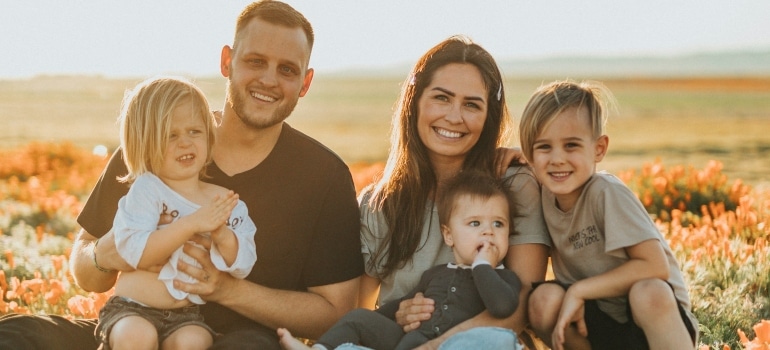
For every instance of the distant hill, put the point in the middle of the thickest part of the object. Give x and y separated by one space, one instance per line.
713 64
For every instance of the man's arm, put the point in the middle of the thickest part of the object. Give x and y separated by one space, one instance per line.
97 217
85 256
306 314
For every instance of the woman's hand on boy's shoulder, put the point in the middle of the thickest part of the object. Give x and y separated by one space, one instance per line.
507 157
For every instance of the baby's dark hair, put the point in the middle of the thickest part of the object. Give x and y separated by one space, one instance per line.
477 184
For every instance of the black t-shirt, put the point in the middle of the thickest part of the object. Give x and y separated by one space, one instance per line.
302 200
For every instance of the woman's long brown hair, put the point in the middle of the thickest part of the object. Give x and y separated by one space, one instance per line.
408 179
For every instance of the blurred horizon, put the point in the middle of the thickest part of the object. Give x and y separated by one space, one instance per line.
726 63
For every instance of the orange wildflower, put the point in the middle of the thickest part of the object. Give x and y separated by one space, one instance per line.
81 306
3 282
9 258
55 293
18 308
101 298
35 285
3 305
761 340
660 183
39 233
15 290
58 262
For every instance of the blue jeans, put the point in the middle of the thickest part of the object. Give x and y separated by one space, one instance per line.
476 338
483 338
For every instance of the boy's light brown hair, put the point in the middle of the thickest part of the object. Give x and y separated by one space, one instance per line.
551 99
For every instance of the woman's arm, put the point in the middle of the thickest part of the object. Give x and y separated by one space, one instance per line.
507 157
367 295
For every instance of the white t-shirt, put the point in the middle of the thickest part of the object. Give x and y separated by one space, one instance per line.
137 217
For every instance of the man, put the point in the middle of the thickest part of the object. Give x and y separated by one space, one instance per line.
299 194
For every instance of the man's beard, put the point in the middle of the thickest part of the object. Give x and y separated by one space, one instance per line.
237 102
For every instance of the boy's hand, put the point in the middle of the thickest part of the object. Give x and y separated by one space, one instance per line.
572 311
488 252
214 214
222 235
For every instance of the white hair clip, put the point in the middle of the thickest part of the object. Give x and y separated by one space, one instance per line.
411 79
499 91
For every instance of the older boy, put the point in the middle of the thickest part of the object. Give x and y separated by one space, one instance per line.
618 282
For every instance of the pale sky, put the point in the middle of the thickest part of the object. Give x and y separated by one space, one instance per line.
140 38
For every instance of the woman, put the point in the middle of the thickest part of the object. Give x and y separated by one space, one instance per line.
451 116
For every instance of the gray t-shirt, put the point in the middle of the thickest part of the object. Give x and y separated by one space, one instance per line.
529 226
591 238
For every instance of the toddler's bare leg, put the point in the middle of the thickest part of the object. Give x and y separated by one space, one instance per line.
188 337
288 341
133 332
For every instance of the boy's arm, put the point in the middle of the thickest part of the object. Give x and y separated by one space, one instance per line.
225 243
646 260
233 249
161 243
499 292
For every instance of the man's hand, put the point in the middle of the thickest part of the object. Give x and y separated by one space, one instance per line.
211 282
414 311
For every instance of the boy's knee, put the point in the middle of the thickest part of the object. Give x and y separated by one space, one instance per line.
133 330
651 296
546 293
544 303
187 338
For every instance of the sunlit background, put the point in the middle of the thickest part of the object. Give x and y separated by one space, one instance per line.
692 78
147 37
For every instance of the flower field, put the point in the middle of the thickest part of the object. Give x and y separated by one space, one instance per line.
717 227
